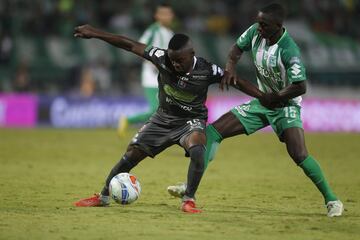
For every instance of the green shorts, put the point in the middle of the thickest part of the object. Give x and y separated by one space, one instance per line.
253 116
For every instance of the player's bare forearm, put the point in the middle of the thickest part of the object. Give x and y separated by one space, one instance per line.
293 90
124 43
87 31
233 58
281 98
248 88
230 68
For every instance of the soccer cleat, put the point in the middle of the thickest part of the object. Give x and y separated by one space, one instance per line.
97 200
335 208
177 190
122 126
189 206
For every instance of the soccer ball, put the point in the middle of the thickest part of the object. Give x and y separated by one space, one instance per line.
124 188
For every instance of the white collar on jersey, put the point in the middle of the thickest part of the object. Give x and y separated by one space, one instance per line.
195 60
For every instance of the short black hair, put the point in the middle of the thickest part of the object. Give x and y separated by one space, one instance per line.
275 10
164 4
178 41
161 5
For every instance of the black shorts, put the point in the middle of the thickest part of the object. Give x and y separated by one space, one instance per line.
163 131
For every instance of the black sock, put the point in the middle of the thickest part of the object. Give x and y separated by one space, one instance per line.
124 165
196 169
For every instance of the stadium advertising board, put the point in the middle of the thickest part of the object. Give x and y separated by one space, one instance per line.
22 110
18 110
320 115
93 112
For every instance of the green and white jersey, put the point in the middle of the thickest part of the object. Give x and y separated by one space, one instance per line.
158 36
278 65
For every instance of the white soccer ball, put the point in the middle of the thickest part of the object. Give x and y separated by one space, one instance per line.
124 188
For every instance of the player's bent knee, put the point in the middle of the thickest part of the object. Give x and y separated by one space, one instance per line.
134 155
134 152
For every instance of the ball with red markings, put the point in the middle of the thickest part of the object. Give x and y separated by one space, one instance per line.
124 188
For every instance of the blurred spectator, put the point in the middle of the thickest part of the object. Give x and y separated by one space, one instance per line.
21 81
28 26
87 83
6 45
121 20
101 75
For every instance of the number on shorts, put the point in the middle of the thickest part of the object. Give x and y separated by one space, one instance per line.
193 122
290 112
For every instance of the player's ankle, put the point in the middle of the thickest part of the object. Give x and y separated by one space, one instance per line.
187 198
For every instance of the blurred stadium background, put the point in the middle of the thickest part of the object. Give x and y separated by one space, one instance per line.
49 78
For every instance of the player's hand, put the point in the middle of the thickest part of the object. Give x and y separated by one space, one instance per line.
271 101
85 31
228 79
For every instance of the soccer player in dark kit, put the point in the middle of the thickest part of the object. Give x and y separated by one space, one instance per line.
181 116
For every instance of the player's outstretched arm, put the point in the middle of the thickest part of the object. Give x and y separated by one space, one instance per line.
230 68
87 31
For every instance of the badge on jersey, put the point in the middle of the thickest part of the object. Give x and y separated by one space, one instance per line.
182 81
272 61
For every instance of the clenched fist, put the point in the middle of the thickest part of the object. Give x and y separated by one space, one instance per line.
85 31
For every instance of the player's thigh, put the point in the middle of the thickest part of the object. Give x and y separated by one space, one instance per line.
295 143
246 118
152 138
192 133
284 118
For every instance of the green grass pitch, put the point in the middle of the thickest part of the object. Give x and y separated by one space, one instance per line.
252 190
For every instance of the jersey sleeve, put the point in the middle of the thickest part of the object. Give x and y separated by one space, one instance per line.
217 73
295 69
245 40
155 55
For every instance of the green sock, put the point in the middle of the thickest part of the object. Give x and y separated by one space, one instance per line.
213 139
312 169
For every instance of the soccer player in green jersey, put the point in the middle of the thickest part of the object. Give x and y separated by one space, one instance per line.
281 79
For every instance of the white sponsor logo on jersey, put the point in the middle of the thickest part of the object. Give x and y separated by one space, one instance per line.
275 77
159 53
217 70
220 71
295 69
183 107
214 68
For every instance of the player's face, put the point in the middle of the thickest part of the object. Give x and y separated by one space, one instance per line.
182 60
164 15
268 27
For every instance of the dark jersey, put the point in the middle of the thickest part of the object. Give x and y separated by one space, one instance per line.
183 96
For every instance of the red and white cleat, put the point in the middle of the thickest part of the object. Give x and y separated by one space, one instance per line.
96 201
189 206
